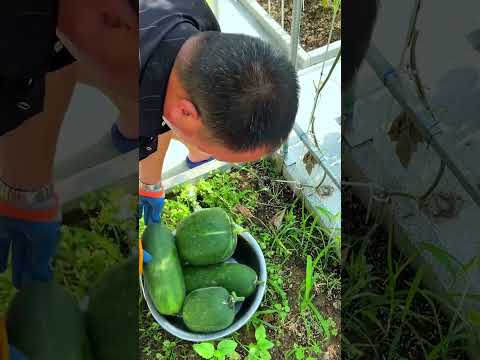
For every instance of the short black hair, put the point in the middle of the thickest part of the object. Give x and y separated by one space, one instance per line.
245 90
358 20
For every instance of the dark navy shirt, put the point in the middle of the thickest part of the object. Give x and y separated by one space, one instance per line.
165 25
27 42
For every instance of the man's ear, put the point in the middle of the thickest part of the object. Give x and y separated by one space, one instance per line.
188 110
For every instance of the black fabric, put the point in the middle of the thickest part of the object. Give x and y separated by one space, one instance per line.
27 31
29 49
60 56
165 25
134 4
23 96
20 99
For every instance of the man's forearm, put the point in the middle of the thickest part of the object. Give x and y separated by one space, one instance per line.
150 169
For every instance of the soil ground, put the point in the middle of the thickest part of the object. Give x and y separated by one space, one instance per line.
315 25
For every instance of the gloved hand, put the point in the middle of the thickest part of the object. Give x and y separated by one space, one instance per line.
144 257
31 231
151 203
8 351
147 257
14 354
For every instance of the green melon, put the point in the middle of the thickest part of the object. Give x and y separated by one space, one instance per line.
44 322
206 237
237 278
209 310
163 275
112 315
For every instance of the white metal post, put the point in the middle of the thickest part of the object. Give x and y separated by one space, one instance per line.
294 38
295 32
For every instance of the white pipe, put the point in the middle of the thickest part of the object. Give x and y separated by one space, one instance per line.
422 117
315 153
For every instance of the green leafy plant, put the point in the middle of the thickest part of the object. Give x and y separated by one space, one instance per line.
334 4
112 213
260 350
168 348
300 353
173 212
225 350
385 305
81 256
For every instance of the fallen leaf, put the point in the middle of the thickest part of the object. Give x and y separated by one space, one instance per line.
278 219
404 132
444 205
397 127
415 134
405 149
325 190
268 318
244 211
309 162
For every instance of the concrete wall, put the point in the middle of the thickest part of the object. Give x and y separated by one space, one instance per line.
450 69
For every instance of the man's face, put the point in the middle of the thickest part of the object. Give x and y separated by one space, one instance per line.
103 35
204 143
182 117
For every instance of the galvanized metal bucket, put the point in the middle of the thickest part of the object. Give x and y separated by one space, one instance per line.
248 252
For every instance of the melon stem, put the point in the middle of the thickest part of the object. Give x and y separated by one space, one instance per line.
235 299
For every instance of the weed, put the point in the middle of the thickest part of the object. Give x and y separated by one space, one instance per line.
389 312
261 349
225 350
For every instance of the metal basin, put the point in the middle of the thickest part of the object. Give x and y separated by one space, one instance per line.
249 253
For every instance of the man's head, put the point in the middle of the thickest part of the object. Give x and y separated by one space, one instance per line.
232 96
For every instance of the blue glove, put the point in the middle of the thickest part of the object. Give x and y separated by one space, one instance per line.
151 206
14 354
147 257
32 235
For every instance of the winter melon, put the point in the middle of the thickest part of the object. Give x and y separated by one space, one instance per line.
206 237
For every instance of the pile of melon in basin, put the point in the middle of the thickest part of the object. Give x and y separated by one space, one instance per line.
190 274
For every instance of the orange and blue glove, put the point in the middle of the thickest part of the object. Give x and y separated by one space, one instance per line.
30 232
144 257
8 352
4 349
14 354
151 201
